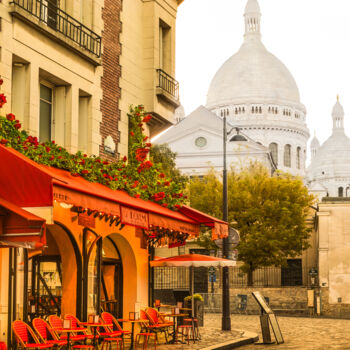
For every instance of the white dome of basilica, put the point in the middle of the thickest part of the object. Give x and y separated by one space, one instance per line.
330 163
260 96
253 72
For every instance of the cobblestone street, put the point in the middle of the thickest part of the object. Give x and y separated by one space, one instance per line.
298 333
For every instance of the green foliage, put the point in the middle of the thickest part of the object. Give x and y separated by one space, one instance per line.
196 296
163 155
269 212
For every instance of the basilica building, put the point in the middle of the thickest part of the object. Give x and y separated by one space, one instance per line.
261 101
328 174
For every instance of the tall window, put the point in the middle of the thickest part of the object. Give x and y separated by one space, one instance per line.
164 47
274 152
45 118
49 12
287 156
298 157
340 192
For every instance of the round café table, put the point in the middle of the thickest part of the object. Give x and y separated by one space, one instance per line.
132 328
68 331
175 323
95 326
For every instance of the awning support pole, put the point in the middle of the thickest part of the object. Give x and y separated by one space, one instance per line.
9 301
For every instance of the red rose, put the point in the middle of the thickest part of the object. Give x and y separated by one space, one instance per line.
144 187
60 157
159 196
17 126
11 117
132 133
162 175
3 142
53 142
97 161
148 144
177 206
105 175
137 195
48 149
52 158
125 158
82 162
85 155
2 100
145 138
85 172
165 205
75 174
166 183
147 118
1 81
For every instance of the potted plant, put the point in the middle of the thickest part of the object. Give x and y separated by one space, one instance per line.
198 307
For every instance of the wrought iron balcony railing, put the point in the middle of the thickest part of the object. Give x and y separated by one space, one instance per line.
168 83
62 22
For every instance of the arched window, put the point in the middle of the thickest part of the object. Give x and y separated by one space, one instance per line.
260 110
298 157
340 192
269 109
274 152
243 110
235 110
252 109
256 110
287 156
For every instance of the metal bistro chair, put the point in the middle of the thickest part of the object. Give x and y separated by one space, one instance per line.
26 338
57 322
156 324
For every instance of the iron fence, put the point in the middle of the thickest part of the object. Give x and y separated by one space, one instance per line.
168 83
179 278
63 23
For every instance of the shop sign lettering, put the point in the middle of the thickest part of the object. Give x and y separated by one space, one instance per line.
134 217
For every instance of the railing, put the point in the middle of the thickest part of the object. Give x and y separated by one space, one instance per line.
63 23
178 278
168 83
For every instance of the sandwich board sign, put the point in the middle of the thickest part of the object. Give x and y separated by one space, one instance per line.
267 319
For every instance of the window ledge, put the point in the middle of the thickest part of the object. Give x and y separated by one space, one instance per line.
160 92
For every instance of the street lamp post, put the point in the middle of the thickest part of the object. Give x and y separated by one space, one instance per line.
226 314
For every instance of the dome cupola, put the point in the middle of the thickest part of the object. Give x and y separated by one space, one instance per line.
252 16
338 117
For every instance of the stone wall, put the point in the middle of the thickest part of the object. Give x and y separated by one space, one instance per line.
338 310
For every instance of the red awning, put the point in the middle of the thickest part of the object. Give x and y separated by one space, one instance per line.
28 184
219 227
19 228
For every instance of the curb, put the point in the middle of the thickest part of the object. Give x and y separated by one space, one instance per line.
246 338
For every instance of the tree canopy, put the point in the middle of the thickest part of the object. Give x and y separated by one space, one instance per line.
269 212
166 158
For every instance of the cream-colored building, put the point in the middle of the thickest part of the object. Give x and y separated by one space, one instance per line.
333 256
51 67
148 63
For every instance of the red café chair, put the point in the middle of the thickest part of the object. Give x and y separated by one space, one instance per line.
45 333
26 338
146 332
76 324
110 319
57 322
156 324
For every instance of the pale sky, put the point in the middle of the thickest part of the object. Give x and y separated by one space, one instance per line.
311 37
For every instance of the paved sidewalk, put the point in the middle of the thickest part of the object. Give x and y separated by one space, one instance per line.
299 333
212 335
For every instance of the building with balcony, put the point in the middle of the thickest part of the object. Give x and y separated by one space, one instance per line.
51 67
147 63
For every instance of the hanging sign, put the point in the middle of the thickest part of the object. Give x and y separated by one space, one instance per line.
86 220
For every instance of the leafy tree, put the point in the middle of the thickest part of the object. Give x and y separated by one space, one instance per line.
166 158
269 212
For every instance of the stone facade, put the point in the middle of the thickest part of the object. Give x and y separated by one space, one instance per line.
40 54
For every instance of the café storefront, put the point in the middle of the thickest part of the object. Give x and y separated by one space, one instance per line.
92 252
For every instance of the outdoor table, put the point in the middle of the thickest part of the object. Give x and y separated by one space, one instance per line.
175 323
95 326
132 328
68 331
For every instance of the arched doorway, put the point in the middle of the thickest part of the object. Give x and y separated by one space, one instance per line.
111 278
55 275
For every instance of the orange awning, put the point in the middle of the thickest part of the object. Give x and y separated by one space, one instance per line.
219 227
19 228
29 184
